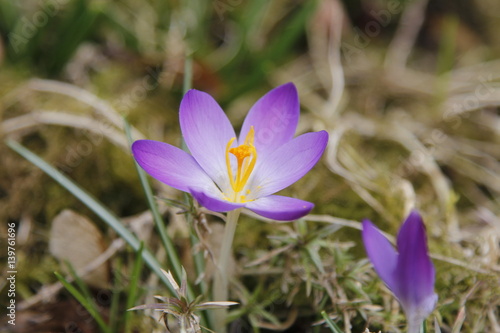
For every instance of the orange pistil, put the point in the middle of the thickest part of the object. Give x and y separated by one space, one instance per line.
246 156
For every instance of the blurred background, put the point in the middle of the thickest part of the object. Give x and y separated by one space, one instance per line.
408 90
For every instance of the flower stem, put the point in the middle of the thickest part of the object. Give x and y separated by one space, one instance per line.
221 278
415 327
188 73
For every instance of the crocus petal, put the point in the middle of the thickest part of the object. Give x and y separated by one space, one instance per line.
170 165
280 208
206 130
288 163
382 254
274 118
415 271
210 201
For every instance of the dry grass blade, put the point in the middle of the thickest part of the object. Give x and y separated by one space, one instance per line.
99 105
459 321
325 36
172 282
37 118
269 256
79 94
334 220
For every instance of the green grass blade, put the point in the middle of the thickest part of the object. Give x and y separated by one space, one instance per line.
446 58
85 291
81 285
73 30
447 45
199 261
87 304
10 14
100 210
207 317
115 317
331 324
187 82
160 225
133 289
110 18
315 257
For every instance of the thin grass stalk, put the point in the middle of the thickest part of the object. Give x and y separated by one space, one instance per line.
114 317
331 324
89 306
79 282
158 220
188 74
115 321
85 292
206 317
446 60
133 288
199 265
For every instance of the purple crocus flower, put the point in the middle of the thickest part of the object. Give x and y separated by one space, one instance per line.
224 172
410 273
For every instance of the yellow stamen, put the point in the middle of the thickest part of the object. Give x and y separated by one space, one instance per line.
228 162
246 157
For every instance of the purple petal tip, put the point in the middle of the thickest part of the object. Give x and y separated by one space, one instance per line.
410 274
280 208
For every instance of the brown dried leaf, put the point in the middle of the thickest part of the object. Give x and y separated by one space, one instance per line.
75 239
